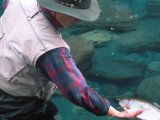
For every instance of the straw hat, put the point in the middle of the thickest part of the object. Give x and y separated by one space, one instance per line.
87 10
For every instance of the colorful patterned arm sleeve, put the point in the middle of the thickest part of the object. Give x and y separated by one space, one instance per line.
59 66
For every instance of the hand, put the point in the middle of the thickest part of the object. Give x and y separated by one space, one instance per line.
123 114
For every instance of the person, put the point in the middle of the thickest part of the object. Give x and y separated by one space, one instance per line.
35 60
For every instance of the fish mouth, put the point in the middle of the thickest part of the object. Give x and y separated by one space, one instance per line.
126 107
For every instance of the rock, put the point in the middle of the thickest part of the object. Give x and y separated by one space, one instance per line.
142 39
149 89
109 89
97 37
154 66
115 15
153 8
81 50
117 66
118 69
138 7
126 57
58 117
128 94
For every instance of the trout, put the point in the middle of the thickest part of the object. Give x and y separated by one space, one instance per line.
150 112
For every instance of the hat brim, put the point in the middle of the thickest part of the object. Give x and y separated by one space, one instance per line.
90 14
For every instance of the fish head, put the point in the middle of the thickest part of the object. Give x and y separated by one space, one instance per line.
124 103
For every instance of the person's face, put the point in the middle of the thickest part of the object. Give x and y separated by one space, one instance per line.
63 19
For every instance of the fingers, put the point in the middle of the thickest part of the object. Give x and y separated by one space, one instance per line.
134 114
126 109
137 112
125 114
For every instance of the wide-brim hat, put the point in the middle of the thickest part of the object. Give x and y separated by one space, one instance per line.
91 13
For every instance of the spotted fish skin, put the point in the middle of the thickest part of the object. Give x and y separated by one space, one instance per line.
150 112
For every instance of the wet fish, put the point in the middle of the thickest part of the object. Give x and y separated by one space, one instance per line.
150 112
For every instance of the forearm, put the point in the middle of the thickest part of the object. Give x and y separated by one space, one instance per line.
90 100
62 70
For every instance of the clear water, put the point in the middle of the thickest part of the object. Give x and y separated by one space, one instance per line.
134 41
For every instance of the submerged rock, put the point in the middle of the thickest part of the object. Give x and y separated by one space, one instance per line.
81 50
127 56
97 37
116 15
154 66
109 89
116 65
153 8
149 89
117 69
145 38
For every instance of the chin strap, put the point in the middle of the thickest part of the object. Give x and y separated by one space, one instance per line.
51 18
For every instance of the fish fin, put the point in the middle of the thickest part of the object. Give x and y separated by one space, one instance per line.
126 108
156 104
119 99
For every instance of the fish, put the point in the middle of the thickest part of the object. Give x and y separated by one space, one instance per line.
150 111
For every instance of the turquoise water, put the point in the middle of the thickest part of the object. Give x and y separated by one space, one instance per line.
126 58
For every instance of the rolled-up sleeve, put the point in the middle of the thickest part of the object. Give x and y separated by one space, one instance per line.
60 68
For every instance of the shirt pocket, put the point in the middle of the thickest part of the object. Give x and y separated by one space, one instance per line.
10 64
11 61
18 61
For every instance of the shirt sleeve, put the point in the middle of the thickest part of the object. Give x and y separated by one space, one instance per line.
60 68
